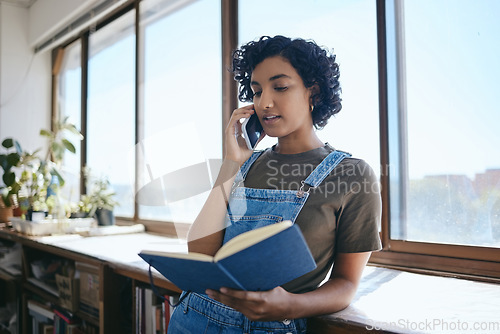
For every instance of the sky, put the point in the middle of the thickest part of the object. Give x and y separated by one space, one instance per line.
452 80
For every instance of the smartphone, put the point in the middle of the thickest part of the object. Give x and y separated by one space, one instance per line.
252 129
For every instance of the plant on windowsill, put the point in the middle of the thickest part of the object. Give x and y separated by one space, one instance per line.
44 182
14 159
100 200
82 208
33 195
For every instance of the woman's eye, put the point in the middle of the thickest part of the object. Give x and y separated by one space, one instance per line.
280 89
257 94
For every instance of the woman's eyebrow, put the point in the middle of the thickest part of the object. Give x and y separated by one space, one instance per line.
274 77
278 76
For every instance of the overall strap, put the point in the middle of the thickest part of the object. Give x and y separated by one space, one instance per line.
242 174
325 167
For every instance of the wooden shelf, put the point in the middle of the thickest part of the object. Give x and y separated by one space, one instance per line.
5 276
116 263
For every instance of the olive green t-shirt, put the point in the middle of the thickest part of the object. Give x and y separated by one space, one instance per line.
342 215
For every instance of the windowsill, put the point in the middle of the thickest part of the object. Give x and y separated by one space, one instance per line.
168 229
402 302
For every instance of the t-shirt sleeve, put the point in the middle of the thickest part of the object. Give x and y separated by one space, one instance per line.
360 213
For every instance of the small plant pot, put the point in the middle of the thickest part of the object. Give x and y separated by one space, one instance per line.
6 214
36 216
18 212
79 215
105 217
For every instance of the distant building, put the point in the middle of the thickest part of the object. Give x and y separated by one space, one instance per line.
485 182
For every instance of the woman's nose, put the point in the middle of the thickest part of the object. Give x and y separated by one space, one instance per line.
266 101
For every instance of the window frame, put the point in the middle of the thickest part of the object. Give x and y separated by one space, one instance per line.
229 89
453 260
481 263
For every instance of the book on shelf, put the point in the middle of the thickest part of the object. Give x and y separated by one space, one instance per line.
42 316
40 311
65 322
47 329
168 310
52 289
152 313
260 259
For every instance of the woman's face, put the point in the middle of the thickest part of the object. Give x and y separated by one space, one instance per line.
281 100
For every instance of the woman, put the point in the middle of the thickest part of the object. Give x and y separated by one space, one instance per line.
334 199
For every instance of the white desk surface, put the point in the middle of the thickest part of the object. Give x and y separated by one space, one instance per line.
387 299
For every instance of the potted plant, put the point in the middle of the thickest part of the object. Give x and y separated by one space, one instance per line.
101 201
13 159
82 208
58 143
32 198
44 182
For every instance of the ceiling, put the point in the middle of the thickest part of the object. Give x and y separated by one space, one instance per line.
20 3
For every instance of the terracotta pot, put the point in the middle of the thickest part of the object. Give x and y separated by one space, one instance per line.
18 212
5 214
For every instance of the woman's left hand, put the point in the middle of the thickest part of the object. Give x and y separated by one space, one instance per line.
272 305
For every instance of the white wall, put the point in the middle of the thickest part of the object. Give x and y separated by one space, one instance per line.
46 17
25 77
25 81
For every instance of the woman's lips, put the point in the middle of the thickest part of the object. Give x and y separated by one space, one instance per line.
271 119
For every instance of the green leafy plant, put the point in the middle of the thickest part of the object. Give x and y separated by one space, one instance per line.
47 180
35 183
15 158
40 179
100 196
81 208
58 143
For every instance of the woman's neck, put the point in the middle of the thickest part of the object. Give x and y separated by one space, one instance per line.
298 145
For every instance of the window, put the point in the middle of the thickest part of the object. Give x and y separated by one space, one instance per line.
111 108
69 105
451 137
349 29
162 102
444 171
181 107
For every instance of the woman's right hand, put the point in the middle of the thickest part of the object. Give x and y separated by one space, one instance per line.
236 148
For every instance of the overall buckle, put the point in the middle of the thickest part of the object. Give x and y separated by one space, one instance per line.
301 193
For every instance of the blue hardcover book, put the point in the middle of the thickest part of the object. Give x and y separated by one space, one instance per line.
257 260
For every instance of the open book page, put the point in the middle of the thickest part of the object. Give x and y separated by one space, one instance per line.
233 246
177 255
250 238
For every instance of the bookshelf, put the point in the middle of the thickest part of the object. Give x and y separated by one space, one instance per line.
108 268
10 305
10 285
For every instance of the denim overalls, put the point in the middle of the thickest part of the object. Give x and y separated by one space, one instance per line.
248 209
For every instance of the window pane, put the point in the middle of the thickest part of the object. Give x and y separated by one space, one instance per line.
111 107
347 27
69 103
453 168
182 106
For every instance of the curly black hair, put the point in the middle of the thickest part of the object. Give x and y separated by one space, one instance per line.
314 64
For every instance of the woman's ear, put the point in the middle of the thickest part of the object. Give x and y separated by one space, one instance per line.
314 94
